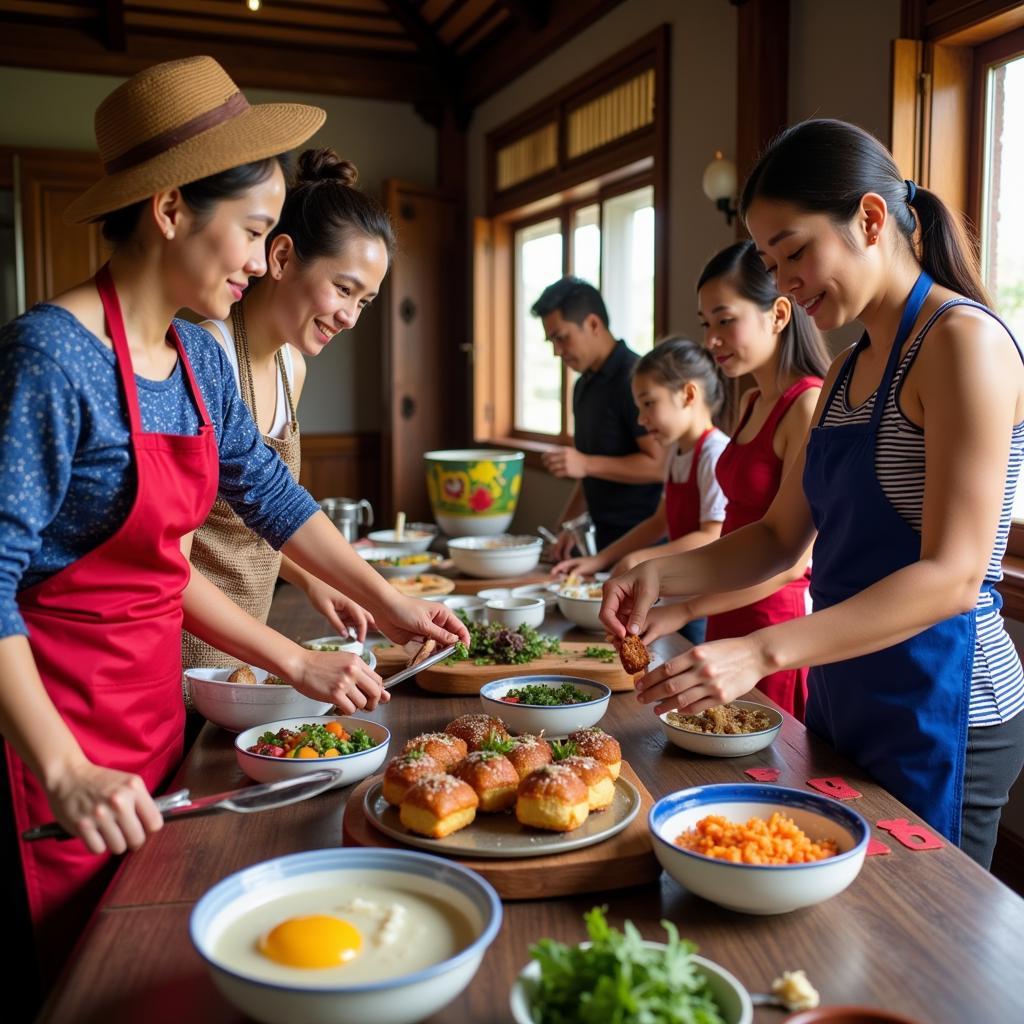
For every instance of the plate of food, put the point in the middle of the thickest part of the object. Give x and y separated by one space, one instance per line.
475 791
423 585
732 730
392 566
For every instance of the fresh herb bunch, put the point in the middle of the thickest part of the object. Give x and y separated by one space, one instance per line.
537 694
495 743
494 644
617 978
600 653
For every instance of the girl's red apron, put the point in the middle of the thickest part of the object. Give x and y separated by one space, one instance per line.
749 475
682 500
106 636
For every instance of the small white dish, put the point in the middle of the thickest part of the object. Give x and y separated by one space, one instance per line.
473 608
395 566
546 719
494 557
583 611
541 590
494 593
516 611
412 540
724 745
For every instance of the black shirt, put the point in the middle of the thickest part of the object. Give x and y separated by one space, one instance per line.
606 424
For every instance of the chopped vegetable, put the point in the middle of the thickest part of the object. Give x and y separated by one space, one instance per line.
547 696
312 740
494 644
600 653
618 978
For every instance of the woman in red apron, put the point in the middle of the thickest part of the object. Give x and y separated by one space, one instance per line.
119 427
751 329
678 391
908 477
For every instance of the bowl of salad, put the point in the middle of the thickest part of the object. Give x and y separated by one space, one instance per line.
553 705
352 747
626 978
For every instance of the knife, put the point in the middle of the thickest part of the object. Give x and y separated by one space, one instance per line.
408 673
247 800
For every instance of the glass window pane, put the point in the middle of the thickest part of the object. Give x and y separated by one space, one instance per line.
538 383
627 266
1003 202
586 244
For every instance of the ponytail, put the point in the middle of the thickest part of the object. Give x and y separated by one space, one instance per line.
945 250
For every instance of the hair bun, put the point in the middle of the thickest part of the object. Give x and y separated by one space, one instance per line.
325 165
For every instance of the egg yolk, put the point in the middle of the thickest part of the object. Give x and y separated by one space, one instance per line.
317 940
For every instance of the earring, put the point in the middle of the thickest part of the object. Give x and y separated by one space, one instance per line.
169 234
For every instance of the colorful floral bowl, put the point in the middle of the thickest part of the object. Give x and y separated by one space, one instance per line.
474 492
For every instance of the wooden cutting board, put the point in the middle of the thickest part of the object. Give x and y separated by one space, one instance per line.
463 677
624 860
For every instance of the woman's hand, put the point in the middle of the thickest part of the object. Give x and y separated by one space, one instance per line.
628 599
405 618
344 680
578 566
630 561
704 676
664 621
106 809
340 611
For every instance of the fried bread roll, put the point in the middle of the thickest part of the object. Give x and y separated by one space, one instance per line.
438 805
447 750
596 776
595 742
243 674
492 777
553 798
528 753
634 655
423 653
404 770
474 729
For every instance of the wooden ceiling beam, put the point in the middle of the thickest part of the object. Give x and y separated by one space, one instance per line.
532 13
442 61
112 24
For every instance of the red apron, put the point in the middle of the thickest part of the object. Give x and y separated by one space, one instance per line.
105 633
682 501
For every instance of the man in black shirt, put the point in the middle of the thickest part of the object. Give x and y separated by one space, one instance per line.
619 468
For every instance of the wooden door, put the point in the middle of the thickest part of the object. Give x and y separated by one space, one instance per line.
425 392
57 255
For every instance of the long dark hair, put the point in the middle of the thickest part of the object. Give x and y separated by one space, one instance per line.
676 360
826 166
802 351
323 209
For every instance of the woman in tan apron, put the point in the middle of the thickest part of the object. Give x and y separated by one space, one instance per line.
326 260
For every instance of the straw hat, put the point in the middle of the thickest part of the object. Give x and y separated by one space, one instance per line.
178 122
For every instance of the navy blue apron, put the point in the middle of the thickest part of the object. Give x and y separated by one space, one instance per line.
901 713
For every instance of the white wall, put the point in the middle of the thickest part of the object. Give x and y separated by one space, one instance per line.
384 140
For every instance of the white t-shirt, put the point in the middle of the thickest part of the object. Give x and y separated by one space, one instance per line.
224 339
712 500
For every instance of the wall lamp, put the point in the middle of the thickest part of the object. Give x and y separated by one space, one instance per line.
719 184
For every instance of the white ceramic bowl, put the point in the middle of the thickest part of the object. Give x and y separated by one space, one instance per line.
732 998
494 593
493 557
541 590
399 1000
754 888
473 608
238 706
516 611
551 720
350 767
346 645
715 745
583 611
412 540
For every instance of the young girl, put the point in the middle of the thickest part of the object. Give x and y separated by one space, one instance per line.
750 328
326 260
678 391
909 477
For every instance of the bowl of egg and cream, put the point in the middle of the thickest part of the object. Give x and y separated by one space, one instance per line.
389 936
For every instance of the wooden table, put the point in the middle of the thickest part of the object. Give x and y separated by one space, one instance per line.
927 934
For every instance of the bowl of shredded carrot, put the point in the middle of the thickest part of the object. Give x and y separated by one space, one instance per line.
758 849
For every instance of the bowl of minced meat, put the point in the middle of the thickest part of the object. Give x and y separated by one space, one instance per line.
732 730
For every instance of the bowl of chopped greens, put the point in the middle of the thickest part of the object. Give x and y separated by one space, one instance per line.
621 976
491 643
352 747
554 705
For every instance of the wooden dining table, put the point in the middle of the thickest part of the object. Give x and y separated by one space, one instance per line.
925 933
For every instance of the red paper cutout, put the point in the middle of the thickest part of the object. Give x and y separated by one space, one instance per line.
834 786
762 774
876 848
913 837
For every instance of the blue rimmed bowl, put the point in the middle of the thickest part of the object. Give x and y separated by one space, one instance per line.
754 888
552 720
401 999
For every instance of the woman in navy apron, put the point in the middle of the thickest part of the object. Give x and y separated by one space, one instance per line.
908 479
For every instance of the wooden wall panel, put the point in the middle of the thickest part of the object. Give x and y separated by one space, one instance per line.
952 82
342 466
905 122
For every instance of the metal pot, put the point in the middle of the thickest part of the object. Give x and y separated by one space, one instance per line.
348 514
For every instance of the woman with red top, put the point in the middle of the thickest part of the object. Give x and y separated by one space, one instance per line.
751 329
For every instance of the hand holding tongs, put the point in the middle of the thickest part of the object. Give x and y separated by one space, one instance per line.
411 670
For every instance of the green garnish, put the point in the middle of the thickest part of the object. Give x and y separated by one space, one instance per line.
620 979
600 653
561 749
496 744
494 644
537 694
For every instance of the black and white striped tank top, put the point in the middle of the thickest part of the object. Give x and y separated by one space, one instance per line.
997 683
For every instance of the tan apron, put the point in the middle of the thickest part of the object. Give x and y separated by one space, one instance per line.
239 562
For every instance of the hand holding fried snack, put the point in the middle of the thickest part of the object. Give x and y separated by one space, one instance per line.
634 655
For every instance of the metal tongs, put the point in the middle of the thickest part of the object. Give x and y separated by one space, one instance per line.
249 800
408 673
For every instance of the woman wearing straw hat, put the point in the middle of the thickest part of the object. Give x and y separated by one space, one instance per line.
327 257
119 426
